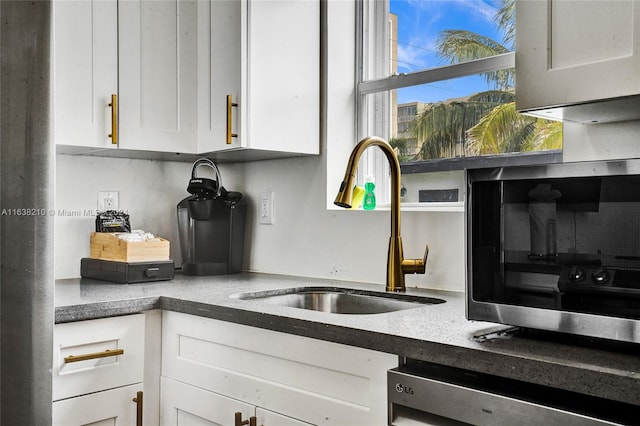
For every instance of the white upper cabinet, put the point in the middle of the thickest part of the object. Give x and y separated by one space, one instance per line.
85 71
158 75
281 98
578 60
144 53
266 54
232 79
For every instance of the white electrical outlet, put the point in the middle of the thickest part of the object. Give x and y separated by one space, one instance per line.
266 207
107 200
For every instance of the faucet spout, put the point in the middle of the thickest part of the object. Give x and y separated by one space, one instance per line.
397 266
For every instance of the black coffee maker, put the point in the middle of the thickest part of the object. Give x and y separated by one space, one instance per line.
211 225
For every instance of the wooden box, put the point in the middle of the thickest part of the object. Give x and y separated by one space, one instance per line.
107 246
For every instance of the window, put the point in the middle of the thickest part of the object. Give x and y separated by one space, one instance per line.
437 80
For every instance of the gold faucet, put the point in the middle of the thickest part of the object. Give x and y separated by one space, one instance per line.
397 266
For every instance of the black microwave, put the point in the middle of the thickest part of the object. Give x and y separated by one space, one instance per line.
556 247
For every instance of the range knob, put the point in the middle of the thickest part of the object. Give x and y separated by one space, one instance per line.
576 274
601 276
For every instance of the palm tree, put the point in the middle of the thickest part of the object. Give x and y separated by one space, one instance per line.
443 127
463 45
400 146
485 123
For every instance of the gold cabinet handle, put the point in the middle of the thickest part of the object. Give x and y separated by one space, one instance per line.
94 355
114 119
230 105
138 401
251 421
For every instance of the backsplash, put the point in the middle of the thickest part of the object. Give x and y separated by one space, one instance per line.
148 190
306 239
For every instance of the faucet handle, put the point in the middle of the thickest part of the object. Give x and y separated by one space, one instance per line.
416 266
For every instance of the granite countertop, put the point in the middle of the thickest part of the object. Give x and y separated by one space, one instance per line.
437 333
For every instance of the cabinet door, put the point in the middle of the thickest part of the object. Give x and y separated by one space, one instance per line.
85 71
281 96
316 381
571 52
266 53
269 418
158 75
113 407
185 405
220 26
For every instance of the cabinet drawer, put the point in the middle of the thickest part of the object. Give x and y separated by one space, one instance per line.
102 340
112 407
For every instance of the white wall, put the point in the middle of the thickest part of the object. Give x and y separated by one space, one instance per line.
308 239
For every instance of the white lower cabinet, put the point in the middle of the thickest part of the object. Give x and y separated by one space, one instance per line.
266 417
99 369
279 378
186 405
113 407
198 371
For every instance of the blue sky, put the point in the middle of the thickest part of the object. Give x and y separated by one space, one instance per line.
420 22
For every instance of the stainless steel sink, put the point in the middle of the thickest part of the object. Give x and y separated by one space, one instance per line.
338 300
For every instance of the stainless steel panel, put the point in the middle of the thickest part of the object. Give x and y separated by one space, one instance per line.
558 170
445 401
623 329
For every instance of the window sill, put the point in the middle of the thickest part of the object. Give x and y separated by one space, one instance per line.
444 207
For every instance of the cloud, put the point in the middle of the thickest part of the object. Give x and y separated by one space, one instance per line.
423 22
411 58
418 52
478 8
416 44
486 10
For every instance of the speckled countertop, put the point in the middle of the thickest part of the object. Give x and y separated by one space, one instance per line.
438 333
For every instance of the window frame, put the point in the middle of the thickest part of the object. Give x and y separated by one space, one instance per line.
377 12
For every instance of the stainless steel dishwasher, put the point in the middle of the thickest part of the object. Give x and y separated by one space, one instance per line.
422 393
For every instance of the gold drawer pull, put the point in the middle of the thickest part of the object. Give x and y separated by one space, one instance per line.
103 354
139 408
114 119
230 105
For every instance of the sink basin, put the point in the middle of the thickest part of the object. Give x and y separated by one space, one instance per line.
338 300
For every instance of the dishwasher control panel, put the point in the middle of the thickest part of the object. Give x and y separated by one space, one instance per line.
430 394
